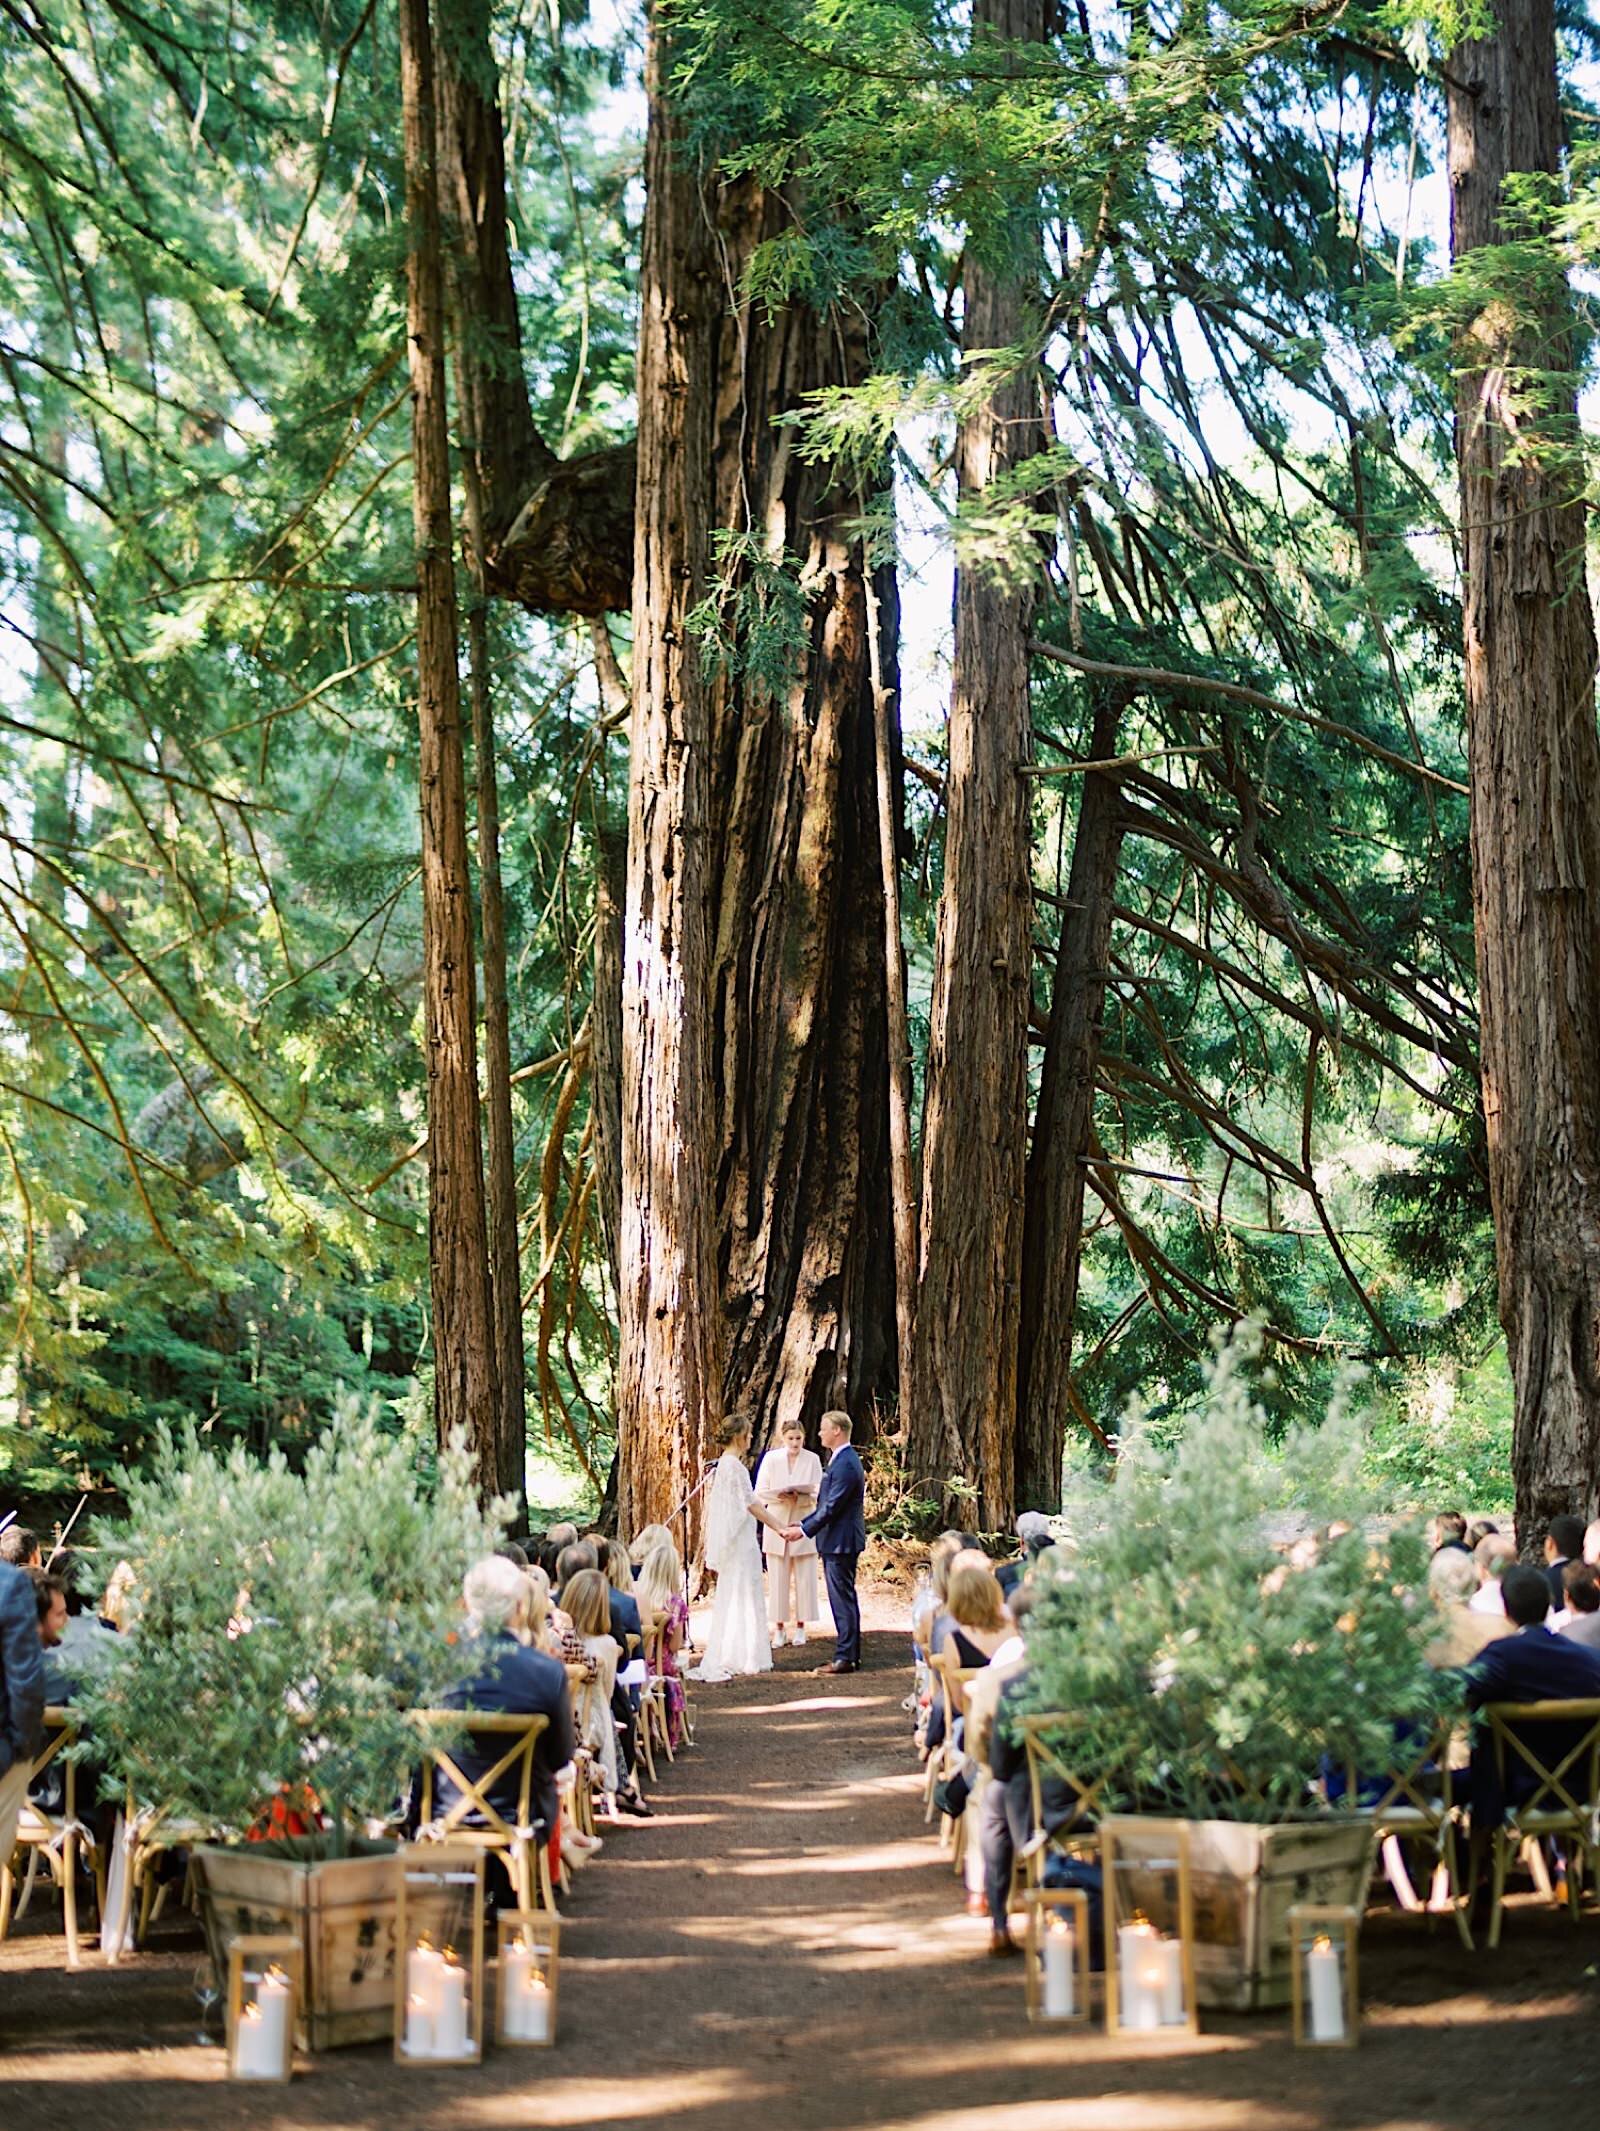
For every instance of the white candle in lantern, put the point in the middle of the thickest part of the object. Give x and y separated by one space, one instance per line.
532 2013
1060 1999
450 2015
1173 2010
1138 1975
419 2027
259 2044
1324 1987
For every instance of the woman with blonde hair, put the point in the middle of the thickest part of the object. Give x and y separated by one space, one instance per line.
587 1602
738 1641
787 1483
660 1594
645 1541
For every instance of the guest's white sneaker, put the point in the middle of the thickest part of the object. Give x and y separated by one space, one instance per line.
798 1639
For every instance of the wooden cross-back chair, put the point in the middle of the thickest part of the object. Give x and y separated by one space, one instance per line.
57 1839
521 1843
945 1761
655 1716
1046 1748
1416 1801
1562 1772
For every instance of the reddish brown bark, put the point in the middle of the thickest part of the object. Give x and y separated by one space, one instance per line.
1063 1126
465 1390
668 1374
974 1137
1535 768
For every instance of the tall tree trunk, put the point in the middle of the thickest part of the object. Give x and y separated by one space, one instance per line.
1052 1230
798 980
668 1372
975 1118
1535 768
605 1045
466 1393
499 449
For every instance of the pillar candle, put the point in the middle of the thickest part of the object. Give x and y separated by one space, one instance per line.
258 2045
1060 2000
1173 2010
530 2017
419 2027
1324 1987
1137 1982
450 2017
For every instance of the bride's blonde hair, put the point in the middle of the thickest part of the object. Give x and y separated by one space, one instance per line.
736 1428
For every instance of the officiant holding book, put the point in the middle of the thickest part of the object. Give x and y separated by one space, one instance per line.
787 1483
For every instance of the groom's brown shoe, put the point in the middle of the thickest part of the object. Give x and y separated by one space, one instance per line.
844 1664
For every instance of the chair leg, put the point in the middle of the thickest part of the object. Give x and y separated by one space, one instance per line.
147 1901
1502 1851
69 1898
8 1891
547 1892
642 1733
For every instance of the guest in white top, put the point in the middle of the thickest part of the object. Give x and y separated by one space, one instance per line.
787 1484
1493 1555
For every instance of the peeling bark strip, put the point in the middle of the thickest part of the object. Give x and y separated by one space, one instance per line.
1535 775
465 1390
668 1373
799 1070
974 1135
1063 1128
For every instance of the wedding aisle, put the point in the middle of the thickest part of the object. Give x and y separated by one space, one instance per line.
781 1949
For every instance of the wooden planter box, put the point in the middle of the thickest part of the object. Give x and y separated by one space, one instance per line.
341 1909
1246 1878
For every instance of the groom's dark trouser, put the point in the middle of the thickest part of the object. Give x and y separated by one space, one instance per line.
840 1571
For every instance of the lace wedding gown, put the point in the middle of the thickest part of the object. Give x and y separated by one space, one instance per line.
738 1640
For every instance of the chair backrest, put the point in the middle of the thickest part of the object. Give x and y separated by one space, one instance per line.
1553 1748
1418 1782
1046 1746
953 1676
60 1732
473 1815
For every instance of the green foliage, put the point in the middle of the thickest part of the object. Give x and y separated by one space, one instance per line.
1210 1664
287 1621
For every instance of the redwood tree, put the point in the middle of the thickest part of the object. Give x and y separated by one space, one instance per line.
668 1371
1533 753
964 1371
466 1394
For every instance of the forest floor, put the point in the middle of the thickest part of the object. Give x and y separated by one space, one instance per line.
783 1946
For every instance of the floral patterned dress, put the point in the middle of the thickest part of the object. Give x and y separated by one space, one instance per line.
677 1619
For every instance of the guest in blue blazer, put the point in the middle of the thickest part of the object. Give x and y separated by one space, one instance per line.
1533 1665
839 1526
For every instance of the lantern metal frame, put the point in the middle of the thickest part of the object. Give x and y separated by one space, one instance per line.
1159 1849
539 1930
1043 1904
430 1878
250 1958
1340 1924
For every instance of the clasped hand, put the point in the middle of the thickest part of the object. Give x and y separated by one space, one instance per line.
791 1531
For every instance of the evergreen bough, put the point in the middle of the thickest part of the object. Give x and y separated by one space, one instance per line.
289 1619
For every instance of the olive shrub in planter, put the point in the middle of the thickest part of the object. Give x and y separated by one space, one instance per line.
1219 1665
289 1619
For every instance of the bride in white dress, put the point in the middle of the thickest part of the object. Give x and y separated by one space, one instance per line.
738 1641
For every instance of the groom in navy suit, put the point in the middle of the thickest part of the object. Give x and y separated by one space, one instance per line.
839 1526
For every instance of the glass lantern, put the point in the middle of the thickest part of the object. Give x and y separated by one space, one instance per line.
1324 1989
438 1975
1148 1891
263 2006
1057 1971
527 1973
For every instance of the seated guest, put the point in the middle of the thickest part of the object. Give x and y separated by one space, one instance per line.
1531 1665
929 1601
508 1550
1563 1543
617 1569
644 1543
86 1642
1452 1583
1449 1529
560 1535
1492 1556
1480 1530
119 1608
659 1590
21 1696
585 1600
1033 1536
576 1556
20 1547
510 1679
1581 1582
975 1610
982 1698
552 1629
1591 1544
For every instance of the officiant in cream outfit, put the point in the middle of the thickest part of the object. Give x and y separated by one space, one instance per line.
787 1484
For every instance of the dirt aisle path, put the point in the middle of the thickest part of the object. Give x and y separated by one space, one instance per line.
782 1949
